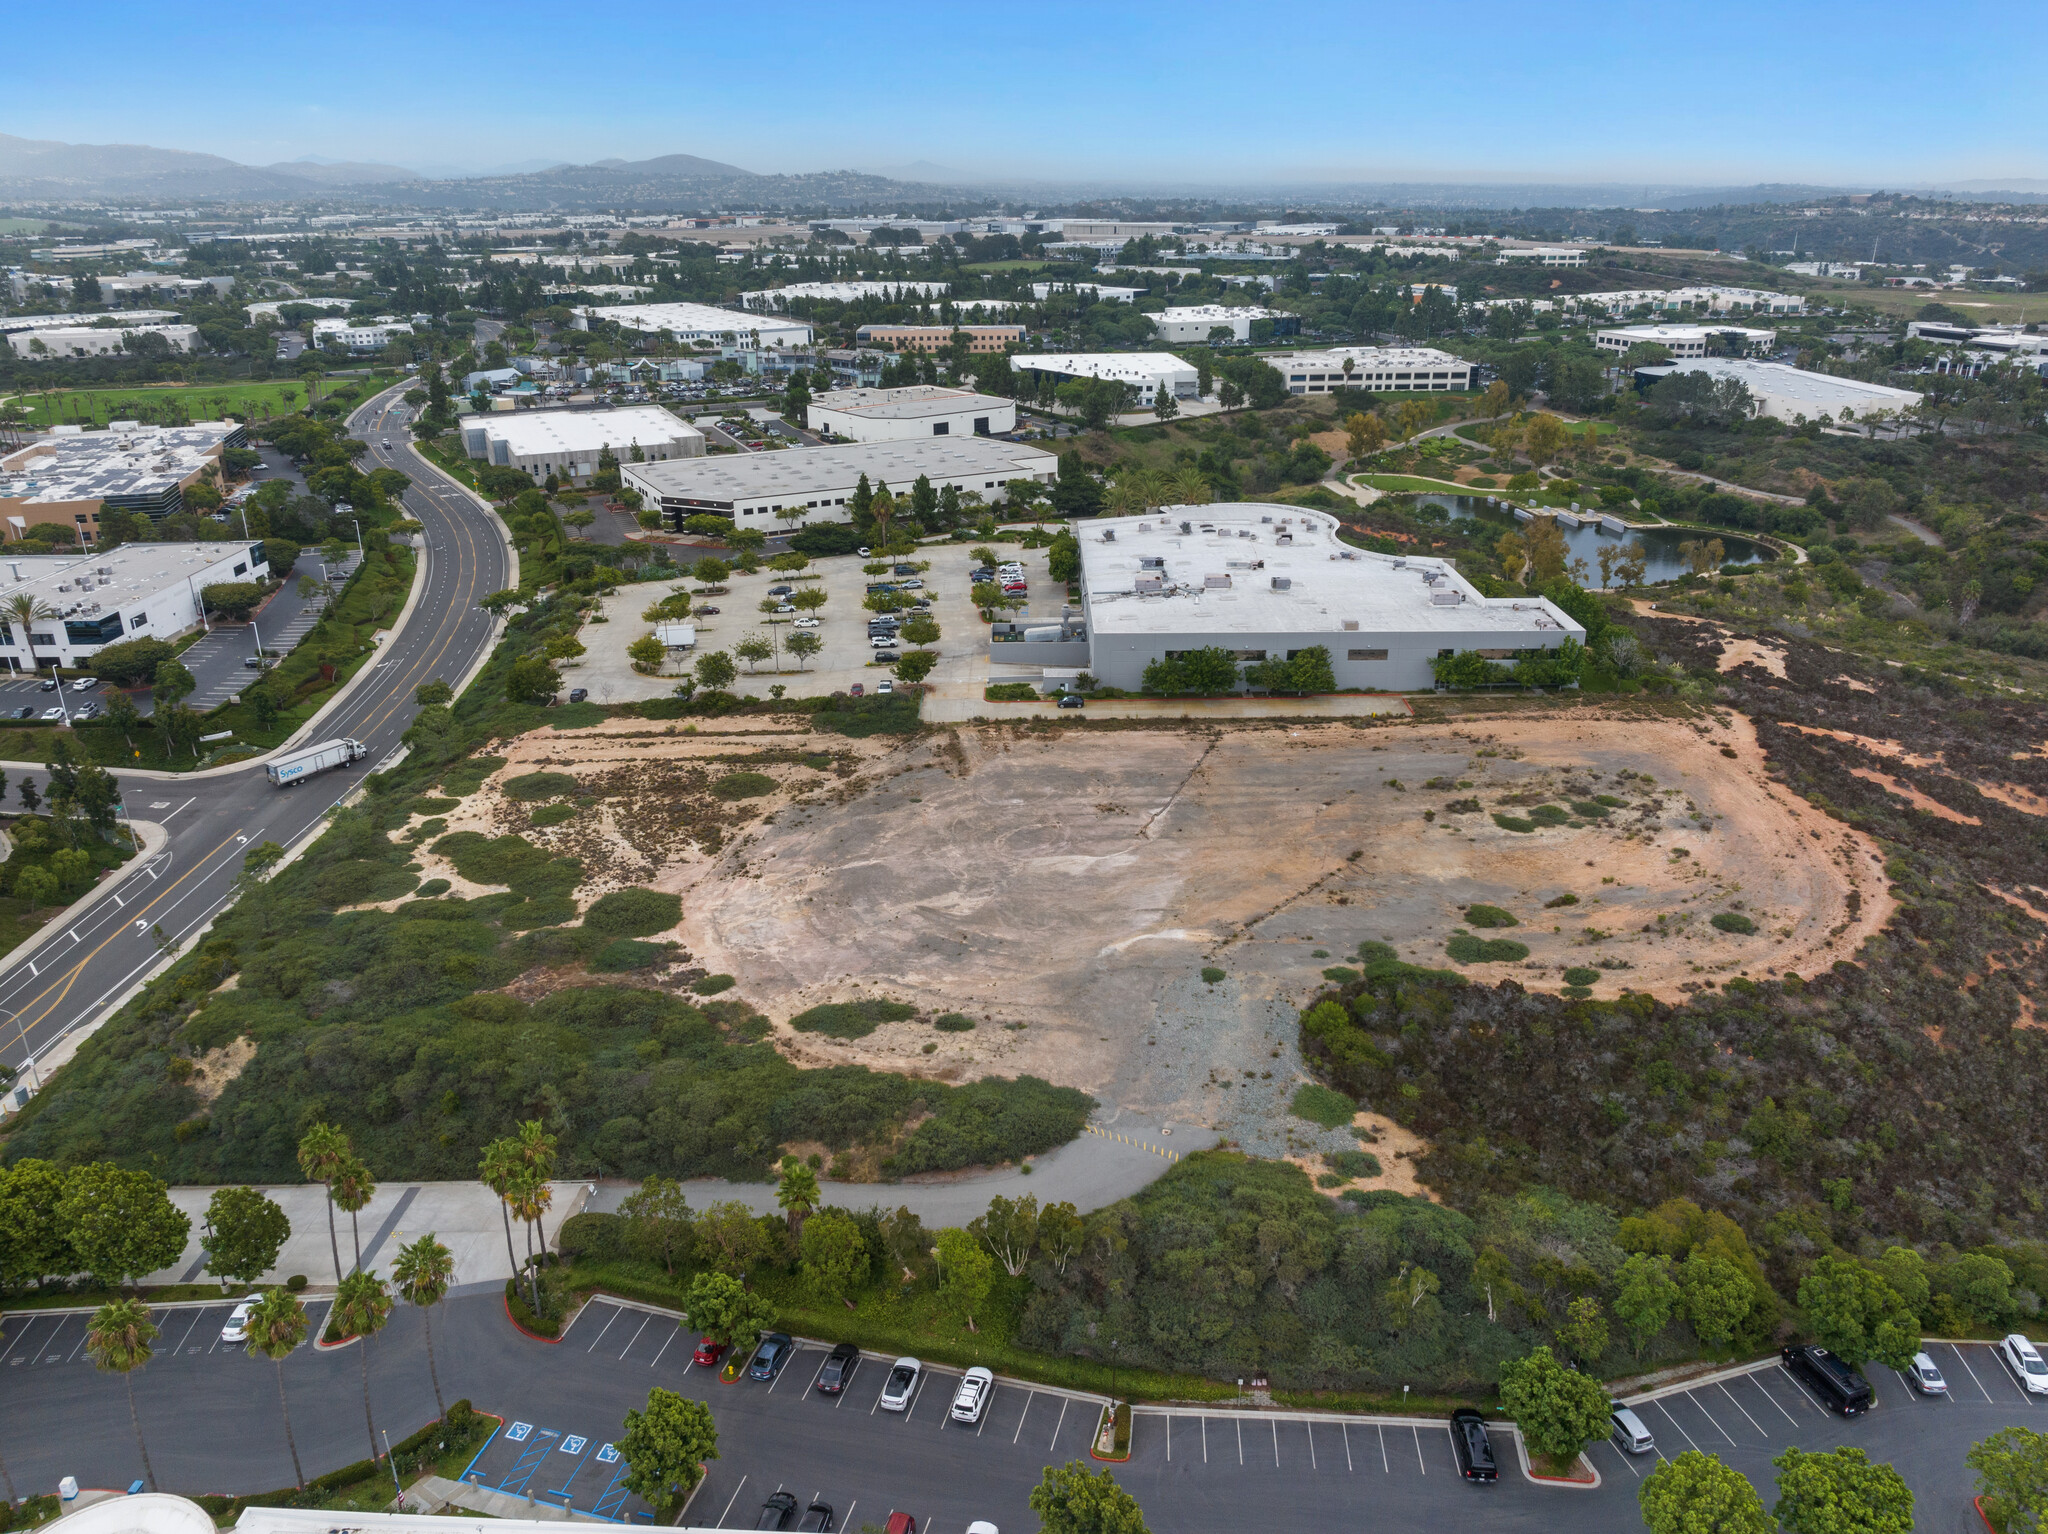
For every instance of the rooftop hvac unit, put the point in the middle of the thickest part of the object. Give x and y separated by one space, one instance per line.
1186 528
1349 554
1350 625
1109 535
1151 562
1215 583
65 587
1150 585
1144 527
1281 583
1244 532
1446 598
1265 519
106 570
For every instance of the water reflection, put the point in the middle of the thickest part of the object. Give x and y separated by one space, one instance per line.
1586 540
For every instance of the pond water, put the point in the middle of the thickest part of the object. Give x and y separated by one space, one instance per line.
1586 540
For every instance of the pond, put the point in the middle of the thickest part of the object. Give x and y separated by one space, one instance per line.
1586 540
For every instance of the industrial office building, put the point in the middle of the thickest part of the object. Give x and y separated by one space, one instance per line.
1101 292
921 410
1267 581
1194 322
1378 369
570 443
799 486
66 475
1542 255
845 292
137 590
981 339
361 336
1786 393
1686 340
699 324
48 344
1145 372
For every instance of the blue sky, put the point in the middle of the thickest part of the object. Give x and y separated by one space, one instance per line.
1876 92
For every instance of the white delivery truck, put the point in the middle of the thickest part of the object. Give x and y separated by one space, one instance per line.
290 769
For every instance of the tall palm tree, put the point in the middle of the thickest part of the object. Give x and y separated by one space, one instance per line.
24 609
118 1337
352 1190
362 1304
501 1170
423 1273
532 1197
277 1324
324 1151
1191 486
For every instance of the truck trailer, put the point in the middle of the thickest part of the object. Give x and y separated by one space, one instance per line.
299 765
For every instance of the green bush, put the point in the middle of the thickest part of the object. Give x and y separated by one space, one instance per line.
1338 974
1212 974
991 1121
712 985
634 912
522 1313
542 911
432 888
555 814
1580 975
1010 692
428 805
1490 916
1354 1163
1322 1105
742 785
599 1237
1549 815
1467 949
1514 823
953 1022
1564 899
465 778
851 1019
1733 921
1589 809
627 953
1610 801
539 785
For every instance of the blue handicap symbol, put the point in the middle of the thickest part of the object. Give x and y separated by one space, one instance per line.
607 1455
518 1431
573 1445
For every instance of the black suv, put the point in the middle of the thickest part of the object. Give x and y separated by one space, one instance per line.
775 1512
1471 1446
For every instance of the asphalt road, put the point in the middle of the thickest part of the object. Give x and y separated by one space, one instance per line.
210 1416
72 978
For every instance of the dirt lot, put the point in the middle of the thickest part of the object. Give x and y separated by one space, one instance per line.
1066 889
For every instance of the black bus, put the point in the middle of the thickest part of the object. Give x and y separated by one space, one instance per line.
1838 1384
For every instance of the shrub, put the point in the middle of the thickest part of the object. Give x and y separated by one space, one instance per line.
743 785
1212 974
1354 1163
627 953
953 1022
1610 801
1329 1180
1549 815
1733 921
634 912
1338 974
432 888
296 1283
1564 899
539 785
711 985
1467 949
592 1235
1010 692
1514 823
1322 1105
1490 916
554 814
993 1120
522 1313
1589 809
851 1019
1580 975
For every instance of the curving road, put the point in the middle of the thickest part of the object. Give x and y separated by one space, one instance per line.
80 971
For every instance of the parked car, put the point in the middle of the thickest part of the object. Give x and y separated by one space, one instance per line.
977 1385
1015 588
237 1329
857 690
885 658
1630 1433
784 607
1925 1377
2025 1360
902 1386
885 687
863 552
913 584
578 694
708 1353
53 715
900 1523
805 623
981 573
776 1511
838 1371
818 1519
85 684
49 684
780 591
23 713
982 1526
1839 1386
87 711
707 612
881 641
770 1356
905 570
256 662
1471 1446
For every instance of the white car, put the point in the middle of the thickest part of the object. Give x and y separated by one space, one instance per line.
237 1329
863 552
52 715
2025 1361
85 684
784 607
805 623
902 1386
1925 1377
875 641
971 1399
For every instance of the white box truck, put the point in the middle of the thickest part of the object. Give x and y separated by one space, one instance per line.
298 765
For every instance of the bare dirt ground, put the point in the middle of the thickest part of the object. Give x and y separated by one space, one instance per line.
1066 889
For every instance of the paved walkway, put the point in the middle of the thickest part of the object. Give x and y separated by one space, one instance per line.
960 702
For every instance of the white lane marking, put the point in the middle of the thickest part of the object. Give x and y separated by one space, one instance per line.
1027 1412
617 1311
636 1335
1385 1463
1740 1407
1064 1404
1709 1416
1757 1380
665 1346
1311 1445
1675 1423
729 1502
1240 1439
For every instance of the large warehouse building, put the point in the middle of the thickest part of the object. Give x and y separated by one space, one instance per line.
921 410
1685 340
67 475
1194 322
1266 581
1145 372
701 324
569 443
799 486
1787 393
1379 369
138 590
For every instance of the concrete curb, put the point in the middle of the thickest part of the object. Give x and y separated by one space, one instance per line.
153 838
1714 1377
1555 1483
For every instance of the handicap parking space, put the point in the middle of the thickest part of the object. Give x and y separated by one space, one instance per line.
560 1464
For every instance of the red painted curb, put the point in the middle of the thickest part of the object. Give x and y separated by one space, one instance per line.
1978 1504
536 1336
320 1344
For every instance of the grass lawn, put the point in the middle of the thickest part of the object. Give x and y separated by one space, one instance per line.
198 402
1410 484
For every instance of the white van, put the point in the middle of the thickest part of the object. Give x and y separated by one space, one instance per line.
1630 1433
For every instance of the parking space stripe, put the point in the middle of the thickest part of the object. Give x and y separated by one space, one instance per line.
1169 1438
617 1311
1624 1459
1240 1439
1802 1392
636 1335
1758 1381
1710 1417
827 1358
665 1346
1972 1372
729 1502
1740 1407
1020 1420
1345 1429
1276 1445
188 1331
1677 1424
1418 1450
1311 1445
1205 1438
1064 1404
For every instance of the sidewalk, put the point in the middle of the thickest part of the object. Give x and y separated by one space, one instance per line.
960 702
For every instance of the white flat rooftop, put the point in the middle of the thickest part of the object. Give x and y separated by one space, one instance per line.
529 432
1126 365
1782 381
914 402
815 470
136 572
1220 574
689 319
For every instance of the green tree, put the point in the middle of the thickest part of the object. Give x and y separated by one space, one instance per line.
34 1242
277 1325
1697 1494
1646 1297
1069 1500
657 1221
429 693
1840 1492
424 1270
709 571
916 665
1979 1285
715 671
2012 1475
725 1310
1559 1410
122 1224
804 645
530 679
118 1340
173 684
833 1253
245 1232
38 886
966 1273
647 653
1009 1230
352 1188
1718 1297
753 650
666 1446
1856 1315
796 1191
362 1304
1583 1332
502 1170
1209 670
733 1237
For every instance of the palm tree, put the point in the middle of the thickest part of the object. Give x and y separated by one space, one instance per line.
1126 497
118 1337
1191 486
423 1272
25 610
277 1324
323 1152
362 1304
352 1190
531 1199
501 1170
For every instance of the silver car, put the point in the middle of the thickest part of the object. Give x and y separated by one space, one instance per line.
1925 1377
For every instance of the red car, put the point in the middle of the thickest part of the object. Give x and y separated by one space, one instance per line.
708 1353
858 690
